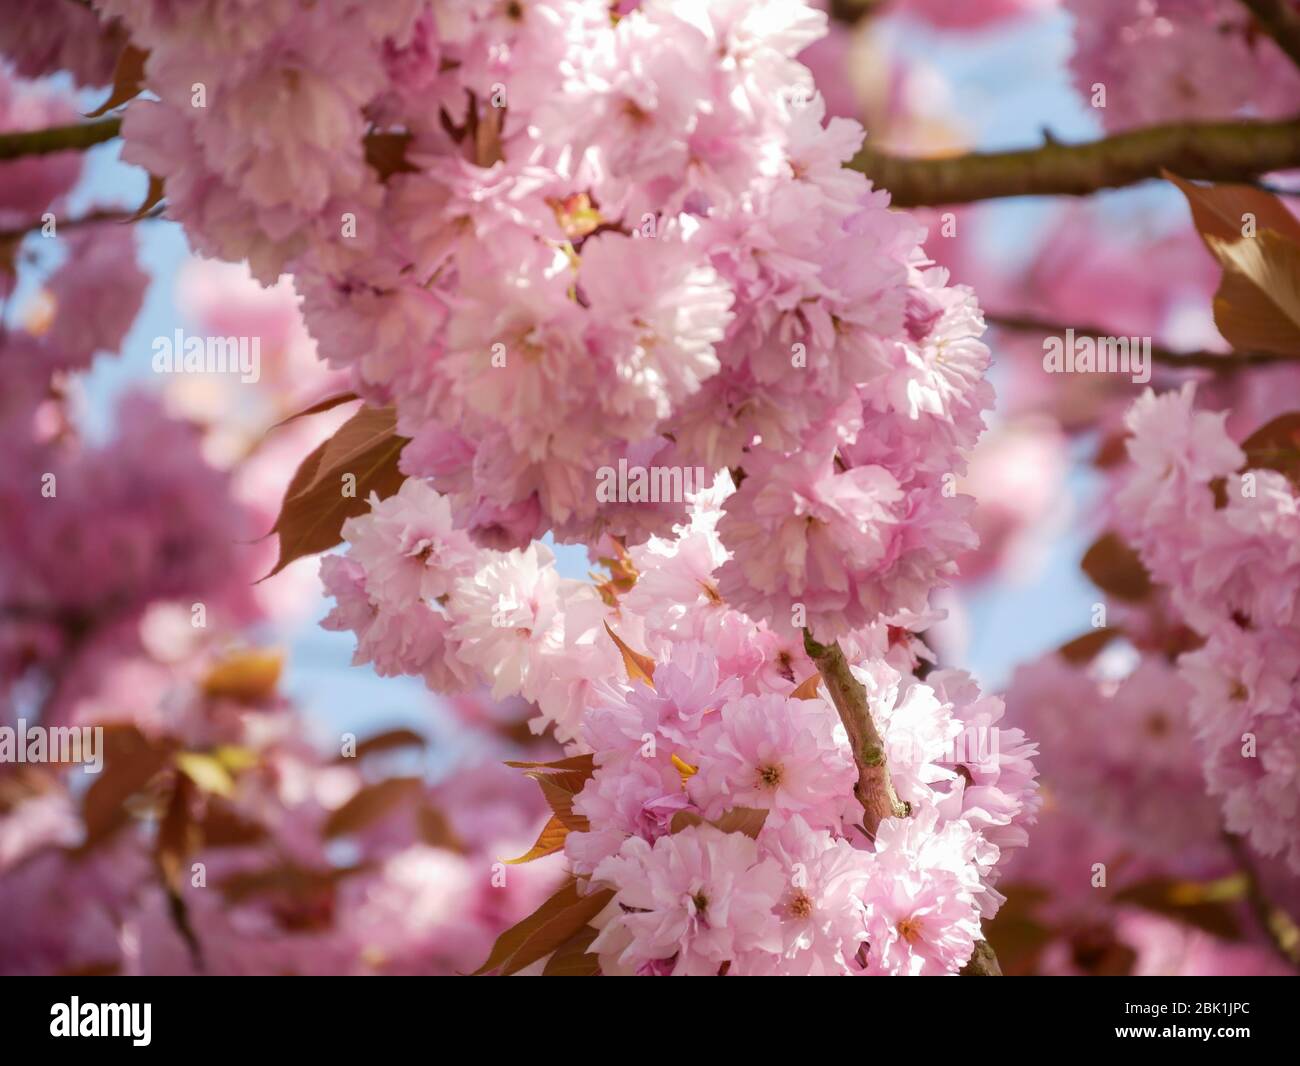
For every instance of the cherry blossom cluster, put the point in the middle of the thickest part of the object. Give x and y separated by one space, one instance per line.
1222 532
557 240
1143 52
265 892
107 549
724 726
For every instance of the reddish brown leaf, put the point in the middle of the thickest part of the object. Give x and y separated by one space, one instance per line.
552 925
549 841
320 407
1112 451
571 958
1276 446
585 763
128 80
1257 307
639 667
301 898
131 760
487 137
222 826
1082 650
372 803
178 835
559 791
314 509
1220 211
248 675
386 154
807 690
153 196
684 820
745 820
436 830
1115 568
391 740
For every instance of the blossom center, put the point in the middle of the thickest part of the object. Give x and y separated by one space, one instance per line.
910 929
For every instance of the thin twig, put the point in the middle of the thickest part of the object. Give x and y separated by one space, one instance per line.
97 217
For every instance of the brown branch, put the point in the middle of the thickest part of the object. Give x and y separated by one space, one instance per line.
1281 21
79 135
851 11
1212 151
1199 360
983 962
875 787
1282 932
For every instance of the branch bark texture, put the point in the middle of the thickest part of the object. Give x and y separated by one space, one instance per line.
1211 151
875 787
76 136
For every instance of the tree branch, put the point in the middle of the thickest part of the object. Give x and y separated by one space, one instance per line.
97 217
1212 151
983 962
1281 21
1199 360
875 788
851 11
79 135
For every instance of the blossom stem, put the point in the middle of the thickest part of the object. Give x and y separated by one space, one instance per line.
1201 360
1281 21
1212 151
875 787
78 135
